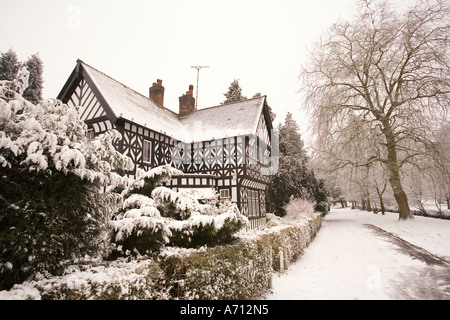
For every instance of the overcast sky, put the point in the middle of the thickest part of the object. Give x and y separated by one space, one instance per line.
261 43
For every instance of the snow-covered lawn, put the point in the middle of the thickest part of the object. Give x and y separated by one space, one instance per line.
351 258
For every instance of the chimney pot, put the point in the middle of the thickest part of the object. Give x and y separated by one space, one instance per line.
187 103
156 93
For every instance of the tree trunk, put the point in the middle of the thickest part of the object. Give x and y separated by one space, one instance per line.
368 206
380 195
404 212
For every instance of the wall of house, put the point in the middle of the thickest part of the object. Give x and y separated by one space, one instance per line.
235 164
146 148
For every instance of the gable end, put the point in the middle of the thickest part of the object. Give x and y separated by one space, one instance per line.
81 92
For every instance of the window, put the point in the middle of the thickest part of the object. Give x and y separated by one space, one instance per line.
253 203
224 195
147 152
90 134
250 203
256 202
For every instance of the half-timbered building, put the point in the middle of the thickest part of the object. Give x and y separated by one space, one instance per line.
226 148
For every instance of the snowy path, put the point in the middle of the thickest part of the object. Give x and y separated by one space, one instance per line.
360 255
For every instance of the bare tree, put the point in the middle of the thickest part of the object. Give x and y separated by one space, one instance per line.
442 161
387 73
379 183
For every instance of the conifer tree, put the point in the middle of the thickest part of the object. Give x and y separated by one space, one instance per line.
291 143
9 68
36 68
9 65
234 93
294 178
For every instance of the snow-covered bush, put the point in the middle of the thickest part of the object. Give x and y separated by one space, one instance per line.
153 216
52 209
298 207
323 207
202 229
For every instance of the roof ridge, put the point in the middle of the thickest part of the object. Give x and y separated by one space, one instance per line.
229 103
124 85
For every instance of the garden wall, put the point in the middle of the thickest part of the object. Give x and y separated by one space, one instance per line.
237 271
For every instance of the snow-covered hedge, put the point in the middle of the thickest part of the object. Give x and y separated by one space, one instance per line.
117 280
288 242
242 270
238 271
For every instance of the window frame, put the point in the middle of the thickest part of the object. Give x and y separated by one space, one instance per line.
147 151
253 203
224 198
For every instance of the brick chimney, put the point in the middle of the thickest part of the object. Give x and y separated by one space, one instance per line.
187 102
157 93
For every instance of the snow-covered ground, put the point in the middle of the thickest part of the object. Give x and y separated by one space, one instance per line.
361 255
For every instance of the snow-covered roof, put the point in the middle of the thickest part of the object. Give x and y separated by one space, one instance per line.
131 105
228 120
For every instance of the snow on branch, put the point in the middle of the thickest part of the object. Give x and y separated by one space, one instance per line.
50 137
14 89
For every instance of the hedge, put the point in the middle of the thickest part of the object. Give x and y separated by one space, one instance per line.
242 270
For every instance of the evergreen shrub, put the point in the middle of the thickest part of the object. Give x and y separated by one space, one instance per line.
154 216
52 210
